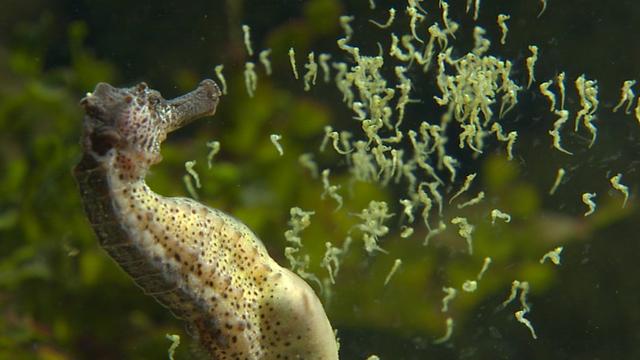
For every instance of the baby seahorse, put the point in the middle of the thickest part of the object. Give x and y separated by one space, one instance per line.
207 267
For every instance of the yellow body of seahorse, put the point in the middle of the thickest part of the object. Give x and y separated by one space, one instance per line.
205 266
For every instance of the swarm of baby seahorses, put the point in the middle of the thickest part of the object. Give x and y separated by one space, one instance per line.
205 266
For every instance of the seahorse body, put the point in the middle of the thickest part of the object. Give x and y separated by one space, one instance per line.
205 266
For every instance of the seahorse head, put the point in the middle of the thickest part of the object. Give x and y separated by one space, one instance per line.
134 121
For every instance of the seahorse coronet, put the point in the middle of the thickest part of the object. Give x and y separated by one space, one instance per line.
205 266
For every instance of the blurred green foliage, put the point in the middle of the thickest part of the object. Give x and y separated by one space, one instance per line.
61 297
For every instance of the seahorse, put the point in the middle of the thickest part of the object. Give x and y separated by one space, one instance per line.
206 267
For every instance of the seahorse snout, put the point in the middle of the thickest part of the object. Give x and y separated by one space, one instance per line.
202 101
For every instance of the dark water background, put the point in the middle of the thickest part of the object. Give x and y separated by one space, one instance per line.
62 298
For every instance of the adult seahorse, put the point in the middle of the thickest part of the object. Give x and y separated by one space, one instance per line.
205 266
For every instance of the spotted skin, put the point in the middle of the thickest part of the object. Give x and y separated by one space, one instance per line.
205 266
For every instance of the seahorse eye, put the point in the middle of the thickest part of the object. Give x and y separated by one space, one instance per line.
142 86
153 100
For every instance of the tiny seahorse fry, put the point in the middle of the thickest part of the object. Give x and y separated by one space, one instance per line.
208 268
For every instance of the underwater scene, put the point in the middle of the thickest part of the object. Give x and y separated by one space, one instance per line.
319 179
